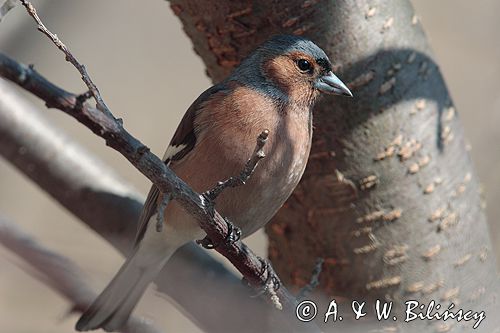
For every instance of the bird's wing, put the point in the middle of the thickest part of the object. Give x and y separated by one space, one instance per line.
182 143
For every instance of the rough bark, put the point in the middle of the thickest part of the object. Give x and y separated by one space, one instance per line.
389 199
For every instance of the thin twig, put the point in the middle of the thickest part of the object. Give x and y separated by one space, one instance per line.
247 171
59 273
6 7
314 282
69 56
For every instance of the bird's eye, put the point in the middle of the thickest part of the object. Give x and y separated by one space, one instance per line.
304 65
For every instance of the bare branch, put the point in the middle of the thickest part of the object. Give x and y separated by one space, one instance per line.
59 273
6 7
106 203
139 155
69 57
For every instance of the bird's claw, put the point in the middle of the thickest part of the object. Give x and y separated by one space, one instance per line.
233 232
233 235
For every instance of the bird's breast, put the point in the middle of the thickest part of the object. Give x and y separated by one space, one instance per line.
227 138
252 205
278 174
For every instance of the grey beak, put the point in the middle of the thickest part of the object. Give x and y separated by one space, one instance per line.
331 84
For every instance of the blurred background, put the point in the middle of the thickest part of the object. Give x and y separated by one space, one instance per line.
146 70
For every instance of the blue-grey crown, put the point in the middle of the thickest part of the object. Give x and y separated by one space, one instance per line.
278 45
282 44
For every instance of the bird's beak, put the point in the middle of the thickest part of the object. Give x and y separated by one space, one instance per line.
331 84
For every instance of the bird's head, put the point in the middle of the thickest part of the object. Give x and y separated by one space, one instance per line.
296 66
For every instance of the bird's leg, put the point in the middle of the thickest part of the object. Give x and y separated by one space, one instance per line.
233 235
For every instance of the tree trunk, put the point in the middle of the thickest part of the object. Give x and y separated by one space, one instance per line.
389 199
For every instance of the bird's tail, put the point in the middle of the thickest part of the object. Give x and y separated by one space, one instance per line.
113 306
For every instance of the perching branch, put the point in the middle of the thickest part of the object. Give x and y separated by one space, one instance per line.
106 126
149 164
59 273
94 193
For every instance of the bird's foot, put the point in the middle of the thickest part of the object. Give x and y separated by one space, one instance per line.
233 235
233 232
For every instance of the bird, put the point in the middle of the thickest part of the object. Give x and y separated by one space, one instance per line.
275 89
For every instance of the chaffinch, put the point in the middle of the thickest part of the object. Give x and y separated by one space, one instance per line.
274 88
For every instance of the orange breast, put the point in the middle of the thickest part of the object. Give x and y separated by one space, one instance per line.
227 132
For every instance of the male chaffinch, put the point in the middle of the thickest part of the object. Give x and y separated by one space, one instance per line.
274 88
